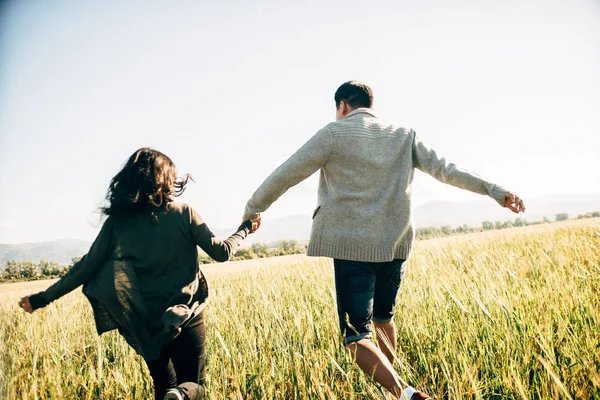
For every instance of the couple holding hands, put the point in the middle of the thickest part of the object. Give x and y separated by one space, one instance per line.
141 274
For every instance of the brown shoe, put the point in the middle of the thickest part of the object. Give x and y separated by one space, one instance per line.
420 396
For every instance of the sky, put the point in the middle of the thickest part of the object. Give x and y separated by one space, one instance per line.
230 89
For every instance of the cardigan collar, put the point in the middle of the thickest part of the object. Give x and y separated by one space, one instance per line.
362 110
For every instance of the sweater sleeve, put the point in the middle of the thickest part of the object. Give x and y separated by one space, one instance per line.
219 250
427 160
306 161
83 270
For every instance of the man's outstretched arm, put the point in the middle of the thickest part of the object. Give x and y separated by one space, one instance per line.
306 161
427 160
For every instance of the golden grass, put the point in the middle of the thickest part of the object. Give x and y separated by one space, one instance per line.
511 314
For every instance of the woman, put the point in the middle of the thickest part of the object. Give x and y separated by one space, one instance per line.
141 274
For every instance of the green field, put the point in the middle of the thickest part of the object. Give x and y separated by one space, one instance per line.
513 314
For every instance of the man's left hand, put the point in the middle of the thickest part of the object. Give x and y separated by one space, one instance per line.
514 203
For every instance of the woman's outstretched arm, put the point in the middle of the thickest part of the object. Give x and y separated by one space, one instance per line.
219 250
79 273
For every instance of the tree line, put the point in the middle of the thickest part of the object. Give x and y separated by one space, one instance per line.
261 250
435 232
31 271
16 271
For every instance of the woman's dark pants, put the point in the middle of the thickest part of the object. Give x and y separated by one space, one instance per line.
182 362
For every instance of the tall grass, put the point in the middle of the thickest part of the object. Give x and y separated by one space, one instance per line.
506 315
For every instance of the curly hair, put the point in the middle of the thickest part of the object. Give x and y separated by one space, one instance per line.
146 183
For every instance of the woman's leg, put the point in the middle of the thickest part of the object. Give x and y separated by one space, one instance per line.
163 374
188 354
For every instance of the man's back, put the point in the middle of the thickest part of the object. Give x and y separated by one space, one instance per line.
370 162
364 191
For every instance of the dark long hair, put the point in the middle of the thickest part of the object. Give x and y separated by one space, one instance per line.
147 183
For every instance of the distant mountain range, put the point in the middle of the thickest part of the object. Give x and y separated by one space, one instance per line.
290 227
436 213
439 213
60 251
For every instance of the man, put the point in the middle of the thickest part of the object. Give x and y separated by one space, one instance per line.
363 218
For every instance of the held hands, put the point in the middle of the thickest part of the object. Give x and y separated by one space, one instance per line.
25 304
255 223
514 203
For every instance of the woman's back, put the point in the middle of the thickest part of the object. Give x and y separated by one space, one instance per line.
160 248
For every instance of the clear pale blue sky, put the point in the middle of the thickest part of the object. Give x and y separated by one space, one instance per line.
510 90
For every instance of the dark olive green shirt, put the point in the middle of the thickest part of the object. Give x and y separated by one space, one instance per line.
141 274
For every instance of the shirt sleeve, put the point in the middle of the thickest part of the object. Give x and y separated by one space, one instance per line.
427 160
219 250
306 161
83 270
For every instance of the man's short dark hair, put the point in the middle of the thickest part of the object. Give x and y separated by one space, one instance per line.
355 94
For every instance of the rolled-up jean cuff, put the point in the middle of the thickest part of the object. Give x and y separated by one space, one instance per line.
382 320
356 338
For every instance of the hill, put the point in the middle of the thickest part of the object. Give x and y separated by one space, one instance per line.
290 227
439 213
56 250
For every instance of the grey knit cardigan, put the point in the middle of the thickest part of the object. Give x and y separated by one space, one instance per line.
365 185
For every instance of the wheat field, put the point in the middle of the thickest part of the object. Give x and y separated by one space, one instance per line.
511 314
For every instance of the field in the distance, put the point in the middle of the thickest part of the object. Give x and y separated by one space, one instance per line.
511 314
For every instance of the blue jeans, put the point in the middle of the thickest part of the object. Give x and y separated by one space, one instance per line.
366 291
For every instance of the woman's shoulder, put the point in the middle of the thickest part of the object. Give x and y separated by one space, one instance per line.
182 208
178 207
